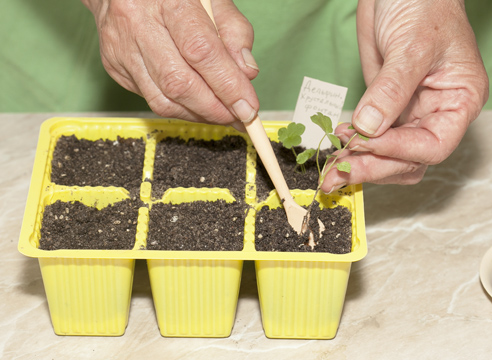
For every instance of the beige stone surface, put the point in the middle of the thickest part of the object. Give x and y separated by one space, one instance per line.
416 295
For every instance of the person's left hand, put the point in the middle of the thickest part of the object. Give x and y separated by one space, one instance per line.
426 84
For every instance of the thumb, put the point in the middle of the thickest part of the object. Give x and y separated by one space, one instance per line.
237 35
386 97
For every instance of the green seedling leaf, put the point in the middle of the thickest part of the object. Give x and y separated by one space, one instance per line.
365 138
323 121
344 166
291 135
305 156
335 141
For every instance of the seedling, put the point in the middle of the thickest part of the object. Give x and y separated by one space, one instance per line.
291 136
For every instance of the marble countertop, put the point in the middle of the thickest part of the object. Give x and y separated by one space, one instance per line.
416 295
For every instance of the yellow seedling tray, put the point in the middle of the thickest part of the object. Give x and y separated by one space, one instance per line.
195 292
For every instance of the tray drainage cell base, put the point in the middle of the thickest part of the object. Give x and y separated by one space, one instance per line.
300 299
195 298
88 296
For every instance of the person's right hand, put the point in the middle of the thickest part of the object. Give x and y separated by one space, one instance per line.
169 53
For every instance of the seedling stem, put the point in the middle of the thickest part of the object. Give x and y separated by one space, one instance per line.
291 136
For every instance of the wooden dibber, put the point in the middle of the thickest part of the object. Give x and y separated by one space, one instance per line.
295 213
261 142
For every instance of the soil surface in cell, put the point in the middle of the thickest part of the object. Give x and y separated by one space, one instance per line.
200 164
273 232
81 162
294 178
74 225
200 225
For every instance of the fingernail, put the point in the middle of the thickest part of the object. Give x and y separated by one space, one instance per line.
244 111
369 119
358 148
335 188
343 138
249 60
239 126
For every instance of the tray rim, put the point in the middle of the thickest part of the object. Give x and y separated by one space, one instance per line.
36 188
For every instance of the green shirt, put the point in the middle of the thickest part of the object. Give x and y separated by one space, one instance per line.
49 57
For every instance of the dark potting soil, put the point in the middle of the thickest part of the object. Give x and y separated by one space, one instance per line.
200 163
294 178
201 225
273 232
74 225
81 162
189 226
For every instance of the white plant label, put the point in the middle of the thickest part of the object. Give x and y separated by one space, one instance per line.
318 96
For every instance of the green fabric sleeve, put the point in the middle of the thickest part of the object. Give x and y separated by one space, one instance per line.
49 57
50 60
294 39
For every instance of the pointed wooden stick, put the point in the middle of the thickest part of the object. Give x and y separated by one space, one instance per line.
295 213
256 131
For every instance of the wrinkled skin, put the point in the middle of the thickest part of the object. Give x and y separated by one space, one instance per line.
425 77
168 52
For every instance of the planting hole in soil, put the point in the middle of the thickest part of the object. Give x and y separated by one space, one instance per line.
200 164
81 162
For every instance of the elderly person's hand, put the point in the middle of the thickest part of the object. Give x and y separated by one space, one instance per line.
426 84
169 53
